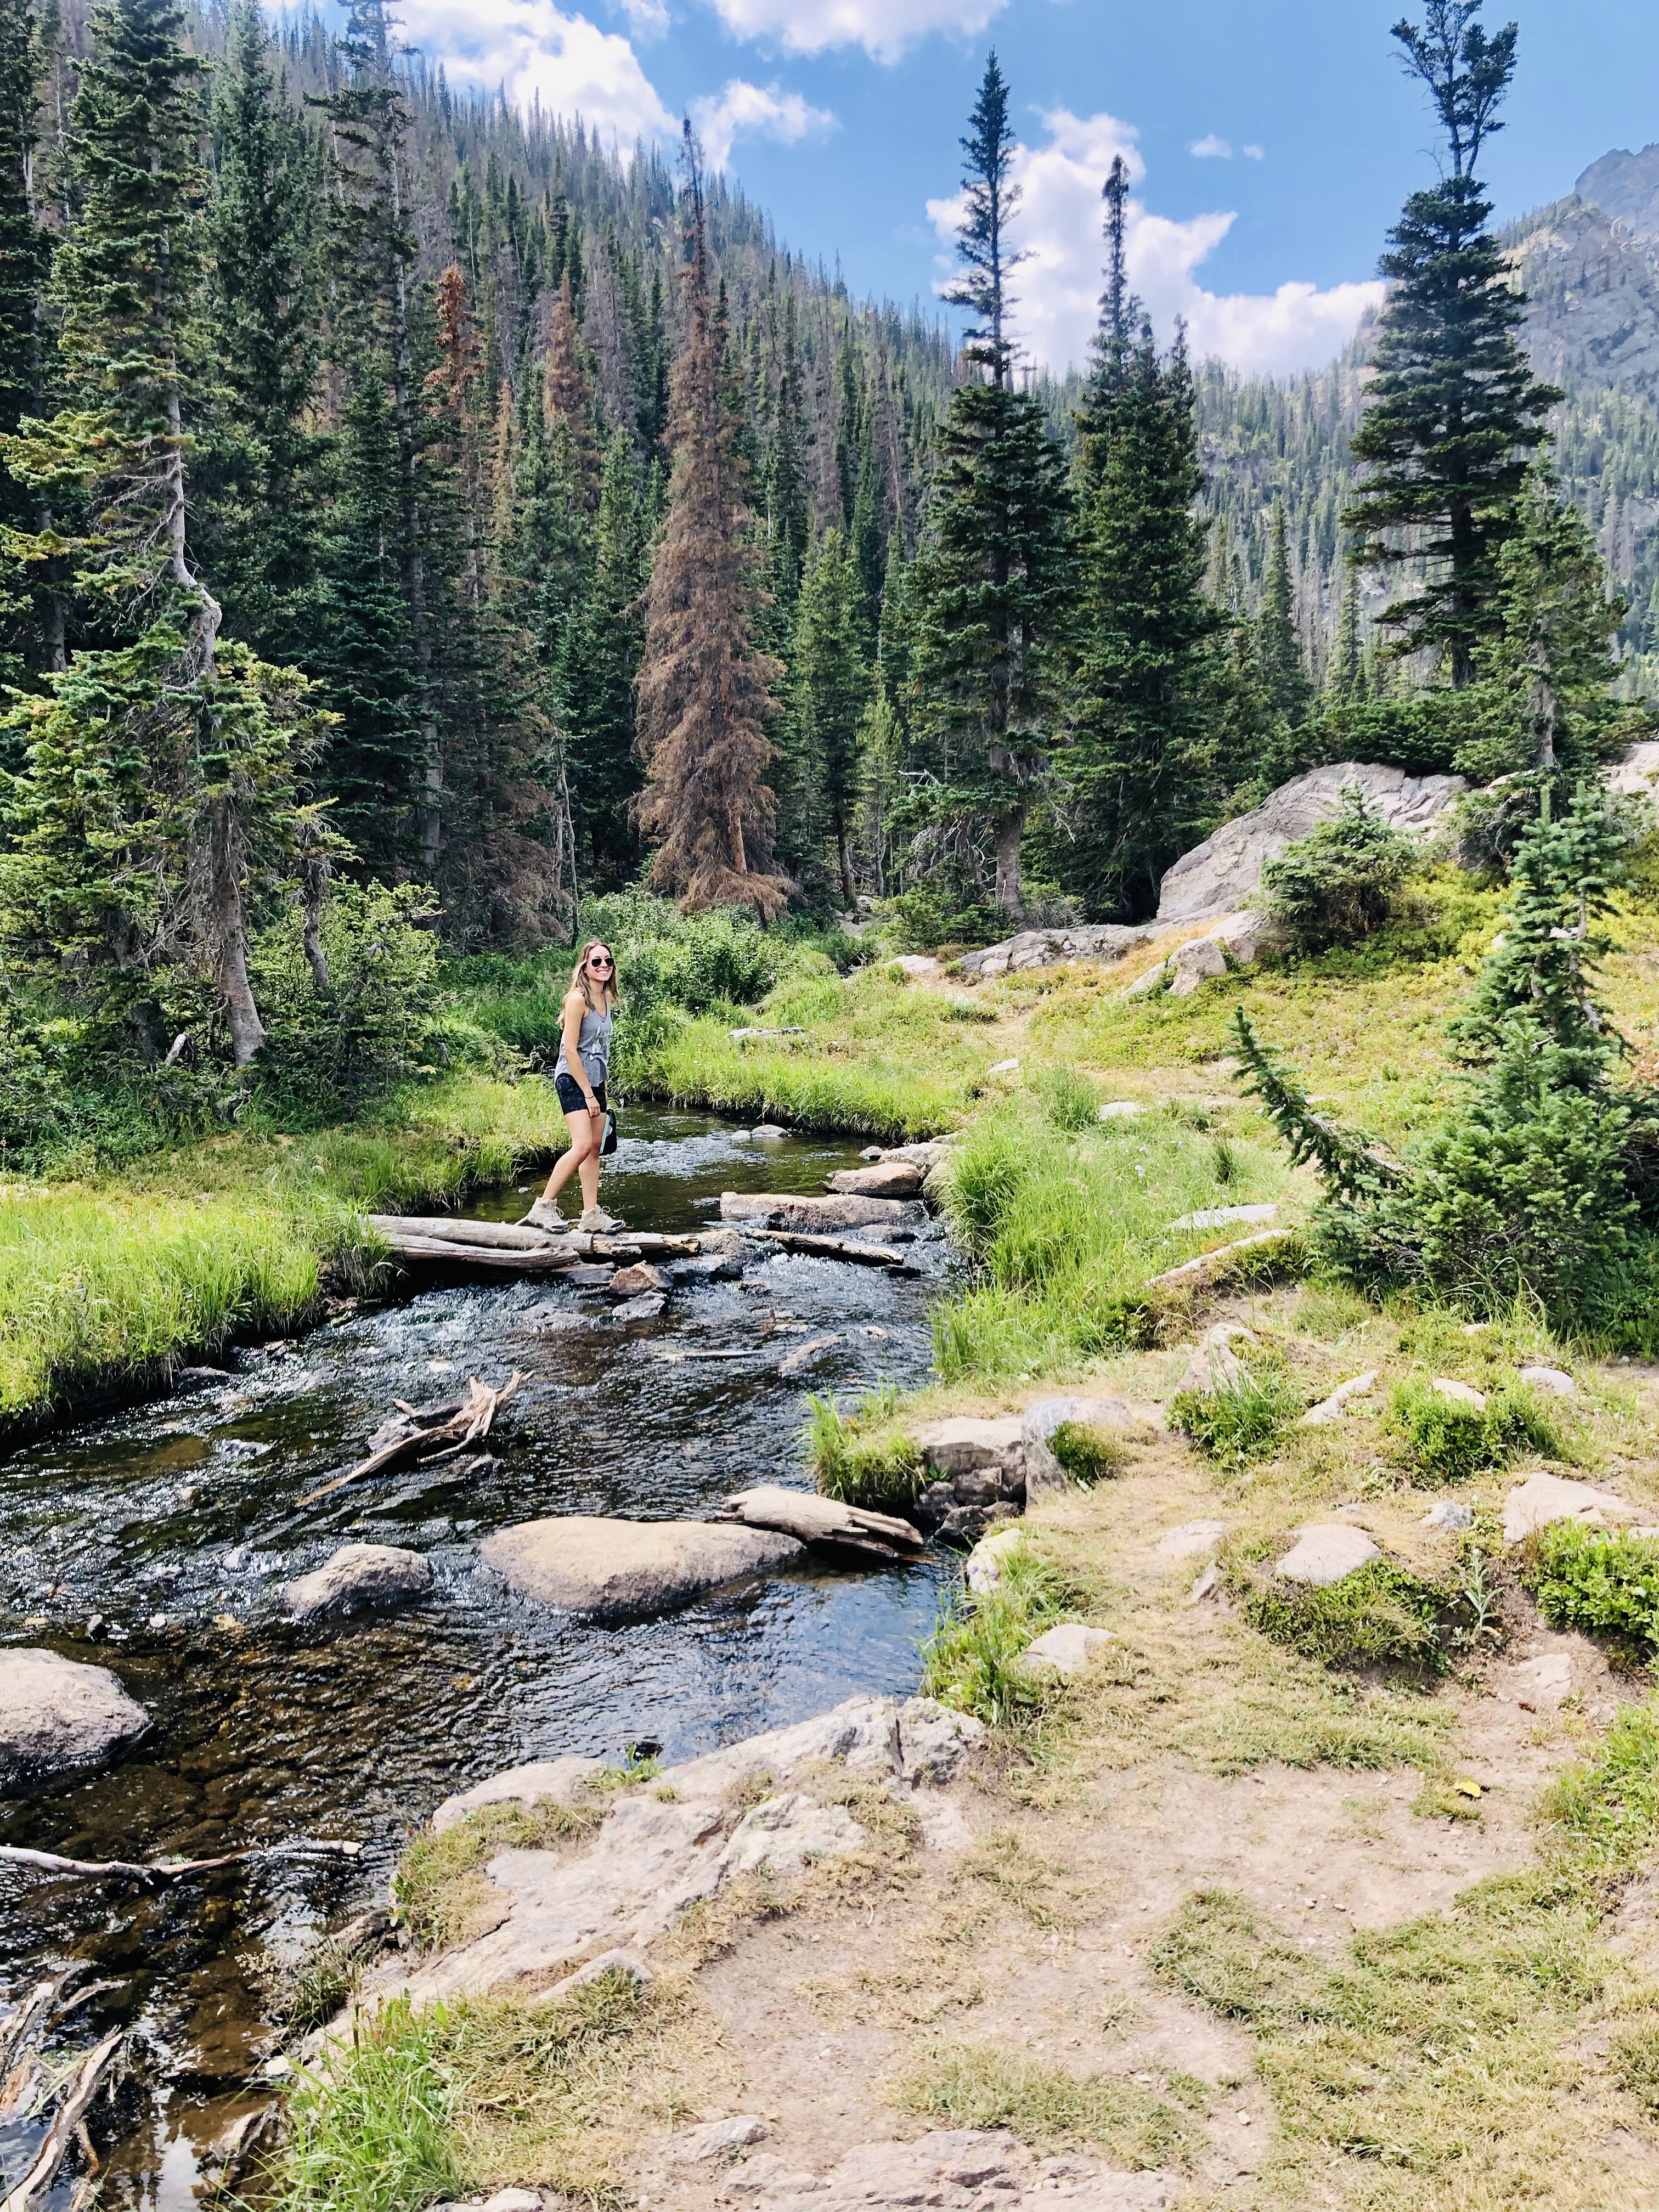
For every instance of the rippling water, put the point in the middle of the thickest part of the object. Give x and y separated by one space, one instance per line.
178 1522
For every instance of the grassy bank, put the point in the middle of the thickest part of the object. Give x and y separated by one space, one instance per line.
106 1281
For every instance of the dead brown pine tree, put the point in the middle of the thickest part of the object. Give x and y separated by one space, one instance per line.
704 691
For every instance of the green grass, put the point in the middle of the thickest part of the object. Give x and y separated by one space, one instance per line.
1383 1612
979 2085
880 1471
1243 1420
1605 1583
1430 2064
110 1280
438 1886
1444 1441
463 2097
974 1658
1068 1227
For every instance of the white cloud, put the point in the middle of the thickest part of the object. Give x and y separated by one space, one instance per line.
1211 148
1253 153
1058 289
761 108
884 28
538 53
646 19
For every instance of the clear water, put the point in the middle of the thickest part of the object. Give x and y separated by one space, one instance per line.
179 1521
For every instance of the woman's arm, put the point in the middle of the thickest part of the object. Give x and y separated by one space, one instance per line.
574 1008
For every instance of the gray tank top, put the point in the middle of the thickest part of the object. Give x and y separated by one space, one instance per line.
594 1046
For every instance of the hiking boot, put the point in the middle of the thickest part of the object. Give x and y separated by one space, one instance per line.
598 1222
545 1216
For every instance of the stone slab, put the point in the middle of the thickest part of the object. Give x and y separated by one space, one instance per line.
603 1569
1326 1553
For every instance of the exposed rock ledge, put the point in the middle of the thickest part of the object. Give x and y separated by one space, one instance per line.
682 1837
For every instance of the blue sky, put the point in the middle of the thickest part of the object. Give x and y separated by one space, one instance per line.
1271 143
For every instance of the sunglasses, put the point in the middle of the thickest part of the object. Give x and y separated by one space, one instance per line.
600 960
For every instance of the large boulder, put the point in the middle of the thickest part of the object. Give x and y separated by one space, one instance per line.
57 1713
354 1578
816 1216
883 1179
1051 948
1216 878
607 1570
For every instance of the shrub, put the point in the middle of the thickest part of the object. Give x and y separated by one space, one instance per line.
1605 1583
1241 1420
333 1050
1381 1612
883 1473
1069 1100
1443 1440
1338 884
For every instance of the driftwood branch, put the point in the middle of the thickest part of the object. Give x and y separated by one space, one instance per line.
447 1430
817 1520
166 1870
839 1247
79 2091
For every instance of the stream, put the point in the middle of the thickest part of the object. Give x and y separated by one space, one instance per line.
178 1522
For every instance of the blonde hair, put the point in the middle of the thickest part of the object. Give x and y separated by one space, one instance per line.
579 975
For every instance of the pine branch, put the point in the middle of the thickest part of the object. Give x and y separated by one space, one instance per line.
1349 1164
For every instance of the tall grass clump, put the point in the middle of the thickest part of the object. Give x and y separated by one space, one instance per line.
1242 1419
1605 1582
374 2132
974 1659
1067 1226
1444 1440
860 1458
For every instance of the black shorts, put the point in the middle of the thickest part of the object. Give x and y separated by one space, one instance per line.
570 1093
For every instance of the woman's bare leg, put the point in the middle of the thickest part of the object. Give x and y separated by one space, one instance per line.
575 1156
588 1165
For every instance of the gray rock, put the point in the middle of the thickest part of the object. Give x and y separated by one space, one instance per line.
782 1835
984 1570
1460 1394
1220 1217
637 1281
1043 1472
56 1713
884 1179
199 1378
963 1446
603 1569
558 1779
934 1503
934 1741
1543 1499
1448 1513
1190 1538
1215 1365
588 1277
815 1216
515 2200
355 1578
724 1244
1335 1407
1326 1553
1216 878
717 2139
916 964
645 1308
1542 1685
1051 948
1551 1380
708 1267
1069 1646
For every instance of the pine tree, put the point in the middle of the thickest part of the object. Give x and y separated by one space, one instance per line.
568 396
705 699
1454 411
160 771
996 570
599 697
31 622
259 459
1348 670
1278 640
1140 764
832 689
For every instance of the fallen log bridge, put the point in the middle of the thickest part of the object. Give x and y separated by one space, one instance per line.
510 1248
816 1520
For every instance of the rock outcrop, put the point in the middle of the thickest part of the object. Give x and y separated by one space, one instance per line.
355 1578
1326 1553
1051 948
661 1849
57 1713
949 2169
1543 1499
979 1474
1216 878
604 1570
1038 1424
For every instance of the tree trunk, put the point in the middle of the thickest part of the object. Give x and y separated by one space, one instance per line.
1011 828
227 929
313 890
847 893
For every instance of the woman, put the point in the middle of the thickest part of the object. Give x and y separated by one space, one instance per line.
580 1074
